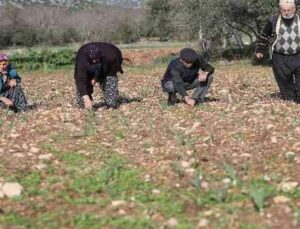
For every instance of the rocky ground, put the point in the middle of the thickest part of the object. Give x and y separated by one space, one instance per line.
232 162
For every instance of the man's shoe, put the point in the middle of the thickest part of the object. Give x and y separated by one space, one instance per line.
172 100
198 102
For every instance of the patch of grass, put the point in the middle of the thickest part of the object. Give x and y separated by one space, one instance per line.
93 221
113 178
46 59
297 215
13 219
46 220
167 203
212 197
119 135
91 125
60 137
239 136
250 226
123 119
180 138
2 121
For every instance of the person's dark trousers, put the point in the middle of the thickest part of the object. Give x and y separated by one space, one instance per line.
200 91
286 70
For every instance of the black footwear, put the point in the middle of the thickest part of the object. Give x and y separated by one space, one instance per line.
172 100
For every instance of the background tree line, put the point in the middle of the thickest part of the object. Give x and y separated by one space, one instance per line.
223 23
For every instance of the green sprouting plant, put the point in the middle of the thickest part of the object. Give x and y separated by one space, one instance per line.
212 197
290 156
123 119
198 178
219 195
239 136
179 138
258 197
177 169
250 226
260 191
231 173
297 215
90 127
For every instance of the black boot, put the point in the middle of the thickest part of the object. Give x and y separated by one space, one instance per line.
198 102
297 99
172 100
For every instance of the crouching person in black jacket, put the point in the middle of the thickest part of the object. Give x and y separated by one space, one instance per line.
188 71
98 62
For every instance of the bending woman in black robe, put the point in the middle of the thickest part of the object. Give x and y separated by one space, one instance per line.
98 62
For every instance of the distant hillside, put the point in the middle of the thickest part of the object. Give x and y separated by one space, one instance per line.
70 3
124 3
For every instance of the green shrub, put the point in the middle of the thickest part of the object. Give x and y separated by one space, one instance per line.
32 60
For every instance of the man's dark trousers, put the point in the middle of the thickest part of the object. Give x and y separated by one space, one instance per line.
201 88
287 74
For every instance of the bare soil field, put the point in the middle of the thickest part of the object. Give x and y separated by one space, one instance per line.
232 162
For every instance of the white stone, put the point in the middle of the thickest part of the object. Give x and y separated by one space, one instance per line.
155 191
208 213
185 164
12 189
204 184
118 203
34 150
190 171
281 200
226 180
1 194
171 223
147 178
24 146
189 152
122 212
14 135
203 223
274 140
45 156
267 178
246 155
41 166
288 186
